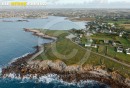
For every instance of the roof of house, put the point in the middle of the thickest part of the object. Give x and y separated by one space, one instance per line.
120 48
128 50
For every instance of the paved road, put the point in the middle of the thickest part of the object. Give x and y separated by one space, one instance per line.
41 49
110 58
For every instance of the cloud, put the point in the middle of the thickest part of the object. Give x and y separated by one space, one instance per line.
82 3
52 1
93 4
99 1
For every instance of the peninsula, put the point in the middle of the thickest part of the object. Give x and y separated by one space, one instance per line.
45 60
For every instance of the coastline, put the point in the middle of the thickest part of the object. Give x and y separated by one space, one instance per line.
39 34
67 73
80 19
13 60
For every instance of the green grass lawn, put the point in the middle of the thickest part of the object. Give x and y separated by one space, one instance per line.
111 50
83 40
120 56
95 50
101 36
97 60
120 21
64 48
101 49
54 33
125 42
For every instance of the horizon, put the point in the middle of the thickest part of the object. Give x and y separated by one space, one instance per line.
73 4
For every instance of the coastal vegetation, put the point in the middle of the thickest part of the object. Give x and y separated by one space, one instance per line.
123 22
82 19
110 50
92 54
65 46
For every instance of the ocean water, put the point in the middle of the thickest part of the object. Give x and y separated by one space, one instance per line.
8 83
14 43
46 81
19 84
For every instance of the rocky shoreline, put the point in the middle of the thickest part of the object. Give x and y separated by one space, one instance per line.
39 34
23 66
41 68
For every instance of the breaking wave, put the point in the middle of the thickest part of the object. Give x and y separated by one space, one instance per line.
48 81
13 60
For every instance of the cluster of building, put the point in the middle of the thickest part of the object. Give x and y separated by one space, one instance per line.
84 13
103 28
120 48
24 14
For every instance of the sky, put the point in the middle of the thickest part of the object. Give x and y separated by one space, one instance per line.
72 1
82 3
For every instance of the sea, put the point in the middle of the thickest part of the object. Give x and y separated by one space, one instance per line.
15 43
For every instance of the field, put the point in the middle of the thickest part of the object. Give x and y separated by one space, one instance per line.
62 50
71 53
110 65
119 21
125 42
82 19
127 26
102 36
122 22
110 50
102 49
120 56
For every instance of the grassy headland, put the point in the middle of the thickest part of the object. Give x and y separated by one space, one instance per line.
64 47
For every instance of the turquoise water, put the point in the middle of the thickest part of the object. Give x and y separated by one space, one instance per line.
14 42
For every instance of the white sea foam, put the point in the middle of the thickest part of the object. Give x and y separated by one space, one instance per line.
0 70
13 60
48 78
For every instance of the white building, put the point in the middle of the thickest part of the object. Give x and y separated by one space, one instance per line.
88 44
120 49
128 51
121 34
94 45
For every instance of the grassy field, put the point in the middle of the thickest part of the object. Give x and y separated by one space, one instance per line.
82 19
54 33
100 36
63 48
102 49
97 60
120 56
127 26
111 51
83 40
125 42
122 22
119 21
